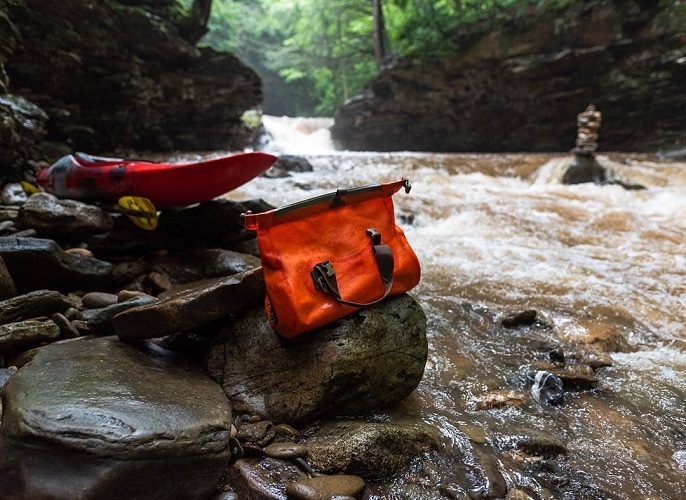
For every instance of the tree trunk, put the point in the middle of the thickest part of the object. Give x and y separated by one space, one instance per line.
379 34
194 26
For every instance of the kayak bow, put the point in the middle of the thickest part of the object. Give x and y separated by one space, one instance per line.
84 177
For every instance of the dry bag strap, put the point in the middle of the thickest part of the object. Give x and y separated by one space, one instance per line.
324 275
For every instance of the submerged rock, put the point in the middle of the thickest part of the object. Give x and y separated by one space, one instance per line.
366 361
373 450
96 418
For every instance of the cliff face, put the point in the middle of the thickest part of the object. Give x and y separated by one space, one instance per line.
116 75
520 85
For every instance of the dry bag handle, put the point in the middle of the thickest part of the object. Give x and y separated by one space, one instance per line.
324 275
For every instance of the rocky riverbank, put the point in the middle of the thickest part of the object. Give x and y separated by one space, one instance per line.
140 364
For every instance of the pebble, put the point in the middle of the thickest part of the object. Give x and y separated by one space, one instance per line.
287 430
67 330
98 300
260 433
83 252
158 282
316 488
285 450
125 295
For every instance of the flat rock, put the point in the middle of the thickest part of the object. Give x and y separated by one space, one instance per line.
366 361
192 307
98 418
36 263
199 264
33 304
53 217
372 450
23 335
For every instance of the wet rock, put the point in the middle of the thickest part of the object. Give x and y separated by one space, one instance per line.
532 442
285 450
33 305
287 164
23 335
524 318
210 221
585 169
22 124
193 307
600 335
262 478
158 282
53 217
126 242
366 361
318 487
67 329
102 323
372 450
36 263
97 300
498 399
5 375
260 433
574 377
83 252
195 265
95 417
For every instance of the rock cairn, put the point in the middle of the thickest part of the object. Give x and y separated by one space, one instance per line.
588 124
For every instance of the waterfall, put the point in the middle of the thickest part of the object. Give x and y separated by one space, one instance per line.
296 136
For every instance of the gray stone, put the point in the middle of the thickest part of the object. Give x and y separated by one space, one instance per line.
266 478
52 217
195 265
96 300
33 305
23 335
36 263
101 323
318 487
285 450
373 450
366 361
192 307
97 418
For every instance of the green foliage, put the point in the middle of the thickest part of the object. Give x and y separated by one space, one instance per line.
312 55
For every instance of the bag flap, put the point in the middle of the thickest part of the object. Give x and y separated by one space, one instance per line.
328 201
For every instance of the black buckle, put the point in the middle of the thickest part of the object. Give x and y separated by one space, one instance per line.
374 235
320 272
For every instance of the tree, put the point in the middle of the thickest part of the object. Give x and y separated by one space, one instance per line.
193 26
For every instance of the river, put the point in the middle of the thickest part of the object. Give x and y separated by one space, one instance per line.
499 234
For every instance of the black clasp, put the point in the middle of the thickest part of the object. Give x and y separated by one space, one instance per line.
321 273
374 235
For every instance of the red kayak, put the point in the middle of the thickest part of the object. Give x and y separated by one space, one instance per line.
84 177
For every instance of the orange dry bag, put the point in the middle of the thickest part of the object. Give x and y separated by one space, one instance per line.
326 257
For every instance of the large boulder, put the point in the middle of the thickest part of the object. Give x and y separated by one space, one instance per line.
366 361
518 84
126 78
98 418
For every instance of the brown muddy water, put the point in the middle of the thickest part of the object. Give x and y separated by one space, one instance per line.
603 267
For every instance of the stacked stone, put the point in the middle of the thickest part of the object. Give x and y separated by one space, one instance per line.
588 124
